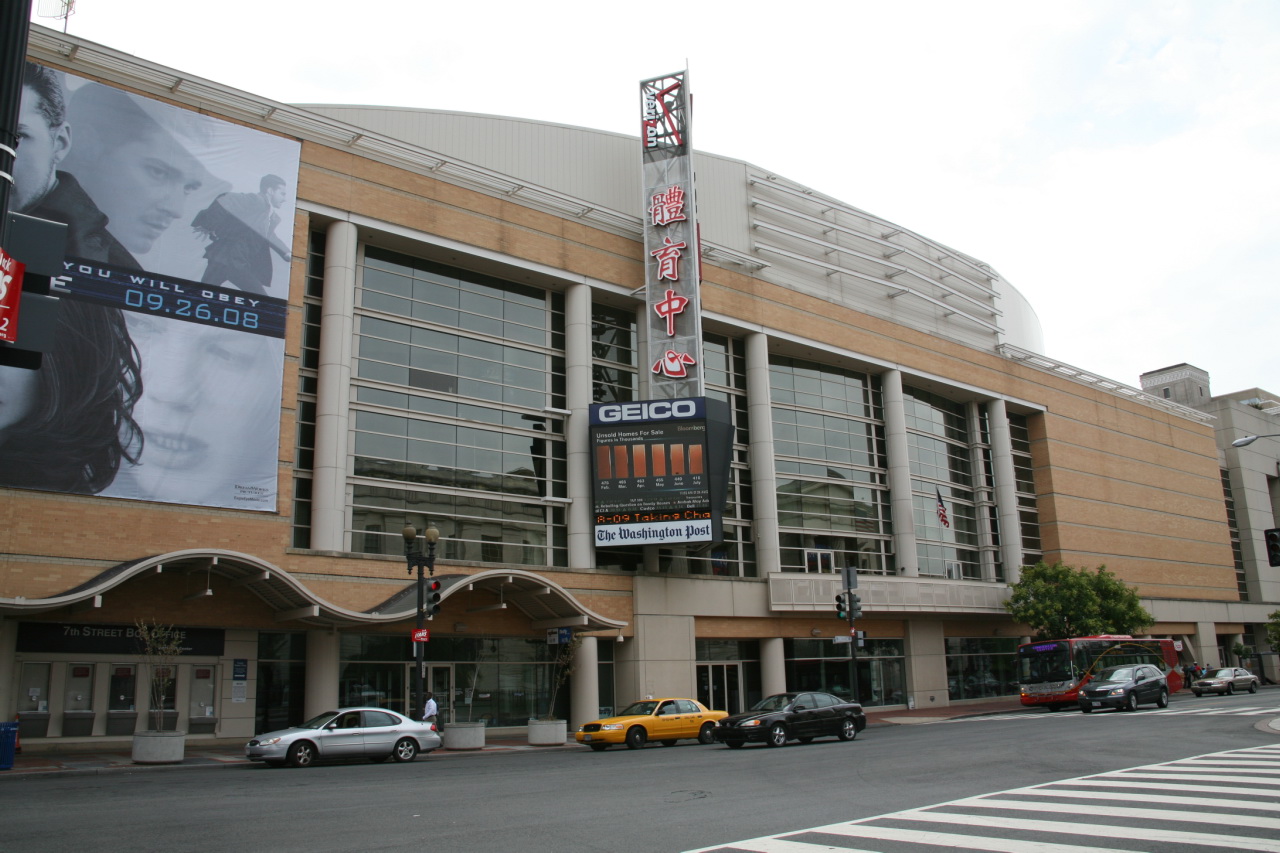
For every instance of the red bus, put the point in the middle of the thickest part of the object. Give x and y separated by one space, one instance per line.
1051 673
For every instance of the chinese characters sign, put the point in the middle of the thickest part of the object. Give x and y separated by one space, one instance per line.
671 240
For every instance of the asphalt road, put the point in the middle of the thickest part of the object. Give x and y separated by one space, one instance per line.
655 799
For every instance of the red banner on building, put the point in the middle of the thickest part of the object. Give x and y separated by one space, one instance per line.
11 270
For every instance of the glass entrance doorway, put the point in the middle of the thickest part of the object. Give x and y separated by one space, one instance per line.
438 680
719 686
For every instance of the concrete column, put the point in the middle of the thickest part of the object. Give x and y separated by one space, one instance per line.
584 686
773 666
1231 642
901 506
577 349
322 673
8 669
926 664
1006 491
764 480
1207 644
333 397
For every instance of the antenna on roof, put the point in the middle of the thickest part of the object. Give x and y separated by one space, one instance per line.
57 9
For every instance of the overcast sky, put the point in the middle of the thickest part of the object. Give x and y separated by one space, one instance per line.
1115 161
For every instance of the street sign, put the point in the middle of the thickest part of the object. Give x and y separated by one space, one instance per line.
11 271
838 639
559 636
420 635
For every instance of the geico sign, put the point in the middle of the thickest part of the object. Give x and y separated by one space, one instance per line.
657 410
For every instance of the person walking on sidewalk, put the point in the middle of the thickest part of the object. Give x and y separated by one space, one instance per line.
430 712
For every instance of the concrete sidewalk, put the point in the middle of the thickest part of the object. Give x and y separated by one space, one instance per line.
85 759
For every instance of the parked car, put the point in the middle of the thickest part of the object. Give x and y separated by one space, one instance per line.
373 733
1225 681
664 720
1125 687
792 716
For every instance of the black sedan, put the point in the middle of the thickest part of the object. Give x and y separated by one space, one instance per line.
792 716
1125 688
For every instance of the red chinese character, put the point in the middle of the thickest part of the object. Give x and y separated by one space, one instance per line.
667 206
673 364
668 259
668 309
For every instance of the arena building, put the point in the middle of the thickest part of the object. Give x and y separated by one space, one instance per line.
455 294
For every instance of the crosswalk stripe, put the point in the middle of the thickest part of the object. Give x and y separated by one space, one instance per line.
1116 811
1190 777
1167 799
955 839
1149 833
1157 786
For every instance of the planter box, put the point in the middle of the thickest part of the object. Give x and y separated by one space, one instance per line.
548 732
77 723
463 736
159 747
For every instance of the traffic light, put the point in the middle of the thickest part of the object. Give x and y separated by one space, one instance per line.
432 606
1272 538
842 605
855 607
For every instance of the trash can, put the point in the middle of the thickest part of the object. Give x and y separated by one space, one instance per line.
8 744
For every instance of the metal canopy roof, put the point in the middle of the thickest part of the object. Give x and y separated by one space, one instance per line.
545 603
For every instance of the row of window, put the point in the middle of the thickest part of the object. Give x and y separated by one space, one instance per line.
454 375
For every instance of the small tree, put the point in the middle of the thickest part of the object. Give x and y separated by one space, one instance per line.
1061 601
1242 653
161 645
561 668
1273 631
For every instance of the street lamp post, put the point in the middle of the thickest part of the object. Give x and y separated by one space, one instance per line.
414 556
1250 439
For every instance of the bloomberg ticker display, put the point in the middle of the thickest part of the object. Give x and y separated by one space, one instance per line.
660 471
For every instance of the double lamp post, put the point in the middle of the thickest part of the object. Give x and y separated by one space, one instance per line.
415 556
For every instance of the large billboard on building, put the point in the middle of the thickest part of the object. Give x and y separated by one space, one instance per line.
165 381
660 471
672 275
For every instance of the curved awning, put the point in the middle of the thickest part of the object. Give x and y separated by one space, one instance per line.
544 602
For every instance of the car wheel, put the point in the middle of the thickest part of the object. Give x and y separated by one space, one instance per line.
1198 693
705 733
668 742
302 754
848 729
1231 689
636 737
1253 687
1131 702
734 744
406 749
1162 701
599 747
1085 709
777 735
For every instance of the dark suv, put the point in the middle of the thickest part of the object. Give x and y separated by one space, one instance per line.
1125 687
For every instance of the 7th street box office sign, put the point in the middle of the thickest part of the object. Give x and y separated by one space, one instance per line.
660 471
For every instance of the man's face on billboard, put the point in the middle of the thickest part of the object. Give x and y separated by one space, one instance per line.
40 150
142 186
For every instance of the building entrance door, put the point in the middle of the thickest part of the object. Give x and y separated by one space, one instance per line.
438 679
719 686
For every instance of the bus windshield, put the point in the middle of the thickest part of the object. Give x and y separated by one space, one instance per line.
1042 662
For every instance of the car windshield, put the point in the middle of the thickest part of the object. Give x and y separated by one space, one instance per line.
1222 673
773 703
639 709
1116 673
318 721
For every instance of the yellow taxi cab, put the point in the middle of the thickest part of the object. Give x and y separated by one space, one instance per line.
664 720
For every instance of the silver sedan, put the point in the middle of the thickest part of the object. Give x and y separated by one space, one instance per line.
373 733
1226 680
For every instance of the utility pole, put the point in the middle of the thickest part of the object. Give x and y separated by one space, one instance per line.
852 609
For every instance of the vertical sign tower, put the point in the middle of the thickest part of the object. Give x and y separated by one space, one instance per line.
672 269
